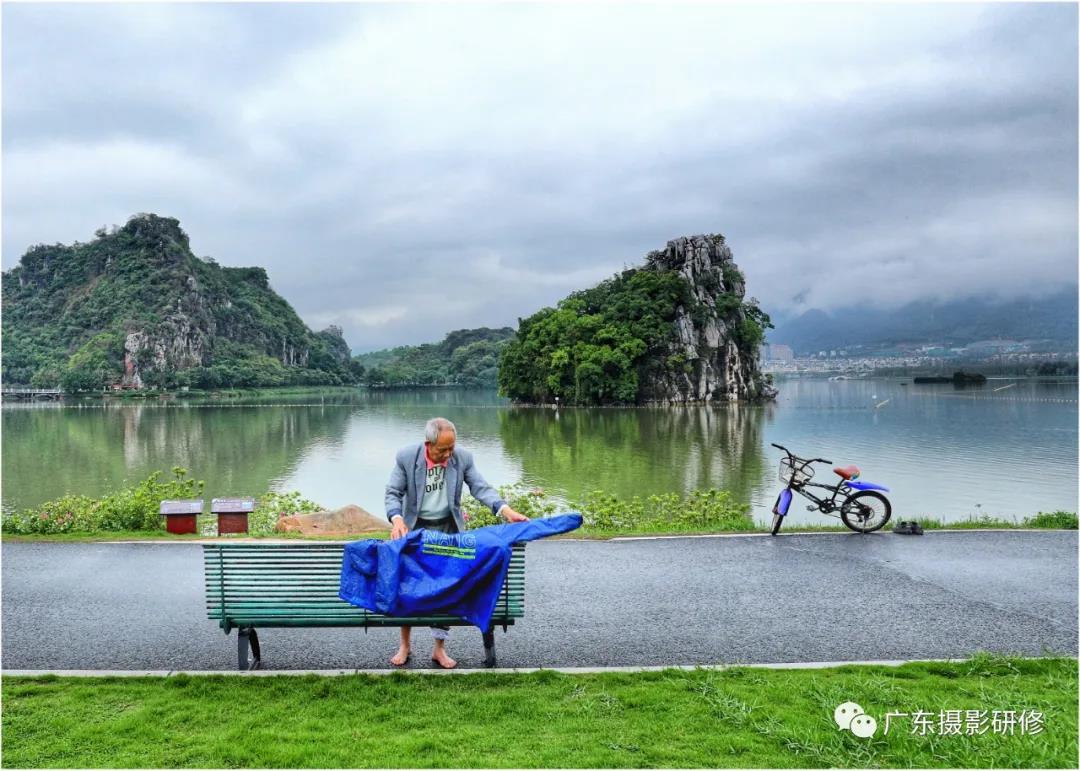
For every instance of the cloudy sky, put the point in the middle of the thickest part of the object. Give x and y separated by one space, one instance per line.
406 170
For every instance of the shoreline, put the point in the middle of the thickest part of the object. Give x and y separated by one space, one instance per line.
228 394
160 538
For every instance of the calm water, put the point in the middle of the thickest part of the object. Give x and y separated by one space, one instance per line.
943 452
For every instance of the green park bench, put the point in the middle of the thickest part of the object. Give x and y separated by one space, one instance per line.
260 585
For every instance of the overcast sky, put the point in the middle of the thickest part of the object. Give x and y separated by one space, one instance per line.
406 170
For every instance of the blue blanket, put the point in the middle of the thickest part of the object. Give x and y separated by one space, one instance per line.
429 572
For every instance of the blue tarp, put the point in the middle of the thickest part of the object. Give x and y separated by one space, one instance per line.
428 572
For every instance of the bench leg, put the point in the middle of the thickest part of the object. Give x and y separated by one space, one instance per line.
489 647
246 638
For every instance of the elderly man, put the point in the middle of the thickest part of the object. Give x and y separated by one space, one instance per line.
425 492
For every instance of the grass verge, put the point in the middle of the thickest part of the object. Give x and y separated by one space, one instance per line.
742 717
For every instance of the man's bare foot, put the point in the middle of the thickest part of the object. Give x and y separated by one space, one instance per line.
440 657
401 657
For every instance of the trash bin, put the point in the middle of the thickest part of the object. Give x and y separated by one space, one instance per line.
232 514
180 516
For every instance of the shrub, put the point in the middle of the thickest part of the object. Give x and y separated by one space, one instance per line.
1065 520
606 512
133 508
700 510
530 501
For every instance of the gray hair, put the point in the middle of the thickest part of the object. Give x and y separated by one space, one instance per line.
436 426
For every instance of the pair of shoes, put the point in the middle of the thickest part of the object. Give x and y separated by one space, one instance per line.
440 666
907 528
408 658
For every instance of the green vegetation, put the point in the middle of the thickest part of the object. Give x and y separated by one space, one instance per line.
1056 520
605 345
740 717
133 512
605 514
137 510
466 357
589 349
137 302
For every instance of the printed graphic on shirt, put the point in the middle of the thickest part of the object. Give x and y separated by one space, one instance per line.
436 480
435 502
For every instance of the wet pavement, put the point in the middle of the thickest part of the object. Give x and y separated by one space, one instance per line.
684 601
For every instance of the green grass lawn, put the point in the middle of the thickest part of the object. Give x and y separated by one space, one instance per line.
742 717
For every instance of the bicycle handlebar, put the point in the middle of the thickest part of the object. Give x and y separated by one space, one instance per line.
791 454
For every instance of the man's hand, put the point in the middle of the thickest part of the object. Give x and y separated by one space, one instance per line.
399 530
512 516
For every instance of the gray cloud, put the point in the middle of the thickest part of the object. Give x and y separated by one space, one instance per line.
405 170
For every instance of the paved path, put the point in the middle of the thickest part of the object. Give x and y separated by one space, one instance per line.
680 601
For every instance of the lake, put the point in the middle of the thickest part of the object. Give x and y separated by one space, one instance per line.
944 452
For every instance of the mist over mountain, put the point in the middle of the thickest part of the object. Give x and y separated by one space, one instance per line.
1052 319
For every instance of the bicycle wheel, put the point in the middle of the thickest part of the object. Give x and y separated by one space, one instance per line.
866 512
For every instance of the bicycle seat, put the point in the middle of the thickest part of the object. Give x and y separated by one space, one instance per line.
848 472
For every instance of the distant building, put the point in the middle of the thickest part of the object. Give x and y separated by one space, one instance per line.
994 346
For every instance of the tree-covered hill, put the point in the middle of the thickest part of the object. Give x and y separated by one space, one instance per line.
135 307
675 330
467 357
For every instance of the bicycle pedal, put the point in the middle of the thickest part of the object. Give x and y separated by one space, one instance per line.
811 508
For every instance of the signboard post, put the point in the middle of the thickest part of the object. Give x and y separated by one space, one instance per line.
180 516
232 514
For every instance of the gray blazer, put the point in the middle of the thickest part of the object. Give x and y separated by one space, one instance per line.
407 484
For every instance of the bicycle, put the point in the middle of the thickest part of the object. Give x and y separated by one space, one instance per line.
862 508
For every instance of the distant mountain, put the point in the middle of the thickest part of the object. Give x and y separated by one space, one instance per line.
953 323
468 357
135 307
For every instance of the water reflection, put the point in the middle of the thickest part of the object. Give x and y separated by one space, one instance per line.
52 452
945 452
637 451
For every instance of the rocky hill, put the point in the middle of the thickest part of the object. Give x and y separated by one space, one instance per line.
676 330
136 308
